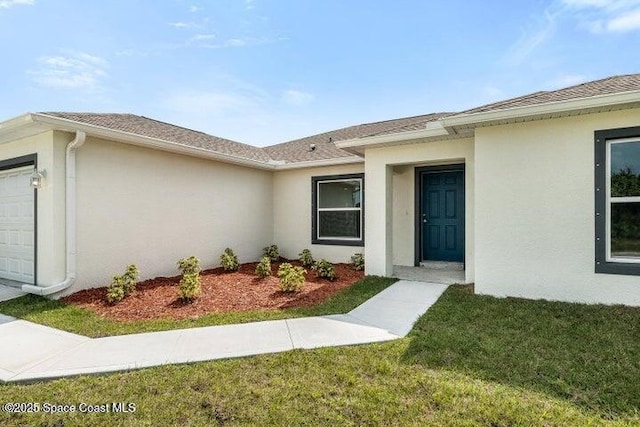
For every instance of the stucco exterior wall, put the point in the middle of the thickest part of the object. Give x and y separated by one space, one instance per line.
535 211
50 199
151 208
390 202
292 212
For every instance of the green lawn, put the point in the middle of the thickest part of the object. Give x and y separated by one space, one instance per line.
81 321
471 360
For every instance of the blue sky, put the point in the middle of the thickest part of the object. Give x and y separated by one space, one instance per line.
267 71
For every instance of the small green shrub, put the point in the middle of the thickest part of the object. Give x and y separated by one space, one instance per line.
229 260
130 277
272 253
115 291
291 278
305 257
324 268
189 287
189 265
357 260
263 269
122 285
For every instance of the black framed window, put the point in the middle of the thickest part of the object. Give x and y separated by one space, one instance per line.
338 210
617 201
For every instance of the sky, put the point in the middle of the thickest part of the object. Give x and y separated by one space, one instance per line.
268 71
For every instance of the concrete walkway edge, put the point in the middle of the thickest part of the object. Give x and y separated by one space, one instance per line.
32 352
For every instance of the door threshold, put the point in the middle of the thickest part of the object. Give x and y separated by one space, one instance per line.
443 265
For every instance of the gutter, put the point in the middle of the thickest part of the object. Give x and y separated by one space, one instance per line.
70 221
557 107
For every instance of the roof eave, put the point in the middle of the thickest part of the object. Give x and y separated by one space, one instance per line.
358 145
56 123
320 163
558 108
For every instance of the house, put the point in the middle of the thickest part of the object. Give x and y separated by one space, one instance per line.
536 196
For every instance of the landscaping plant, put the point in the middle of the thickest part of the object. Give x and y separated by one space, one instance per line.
324 268
272 253
189 287
291 278
229 260
305 257
123 285
358 261
263 269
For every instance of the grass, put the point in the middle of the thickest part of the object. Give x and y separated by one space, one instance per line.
82 321
469 361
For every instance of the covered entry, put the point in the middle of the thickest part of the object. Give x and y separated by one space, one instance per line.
17 220
440 214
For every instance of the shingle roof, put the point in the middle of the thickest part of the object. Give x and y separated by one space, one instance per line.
167 132
298 150
609 85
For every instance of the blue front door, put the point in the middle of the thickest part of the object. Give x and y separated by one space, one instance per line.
442 215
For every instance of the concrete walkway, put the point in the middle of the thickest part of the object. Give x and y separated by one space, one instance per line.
35 352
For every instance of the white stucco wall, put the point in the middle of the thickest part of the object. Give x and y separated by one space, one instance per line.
151 208
389 206
535 211
292 212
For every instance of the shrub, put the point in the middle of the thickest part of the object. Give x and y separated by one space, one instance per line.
189 287
115 291
306 258
263 269
229 260
358 261
324 268
272 252
130 277
291 278
189 265
123 285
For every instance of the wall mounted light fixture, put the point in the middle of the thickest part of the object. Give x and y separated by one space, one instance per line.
37 178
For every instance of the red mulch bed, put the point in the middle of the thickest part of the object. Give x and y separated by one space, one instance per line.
221 292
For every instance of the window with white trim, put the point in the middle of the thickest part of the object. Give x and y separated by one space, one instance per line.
338 216
617 170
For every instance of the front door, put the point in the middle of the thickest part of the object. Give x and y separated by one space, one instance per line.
442 215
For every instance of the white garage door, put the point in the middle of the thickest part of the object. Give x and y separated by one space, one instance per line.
16 225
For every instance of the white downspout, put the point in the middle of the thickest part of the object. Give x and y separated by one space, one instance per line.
70 221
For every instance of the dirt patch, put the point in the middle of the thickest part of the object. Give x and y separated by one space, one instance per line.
221 292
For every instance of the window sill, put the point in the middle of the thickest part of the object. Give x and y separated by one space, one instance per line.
337 242
624 268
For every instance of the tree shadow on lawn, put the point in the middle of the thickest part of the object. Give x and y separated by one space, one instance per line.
587 354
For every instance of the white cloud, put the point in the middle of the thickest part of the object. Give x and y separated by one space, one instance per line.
201 37
194 9
532 38
73 70
629 21
605 16
185 25
297 98
6 4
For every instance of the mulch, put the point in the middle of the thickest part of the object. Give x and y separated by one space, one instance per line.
221 292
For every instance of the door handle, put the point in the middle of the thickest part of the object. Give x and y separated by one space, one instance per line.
424 218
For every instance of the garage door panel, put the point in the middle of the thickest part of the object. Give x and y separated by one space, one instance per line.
17 228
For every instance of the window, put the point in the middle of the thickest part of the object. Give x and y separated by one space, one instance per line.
338 213
617 172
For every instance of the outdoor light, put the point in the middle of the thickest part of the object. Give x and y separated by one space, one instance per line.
37 179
